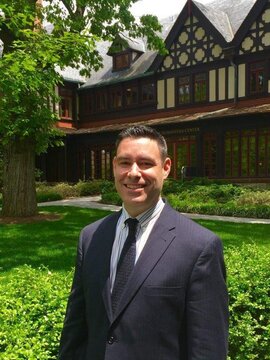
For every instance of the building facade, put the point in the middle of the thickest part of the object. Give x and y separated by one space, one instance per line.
209 96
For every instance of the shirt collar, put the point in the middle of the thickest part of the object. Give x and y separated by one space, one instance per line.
146 216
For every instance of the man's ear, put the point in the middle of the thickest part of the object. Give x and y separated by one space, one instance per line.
114 163
167 167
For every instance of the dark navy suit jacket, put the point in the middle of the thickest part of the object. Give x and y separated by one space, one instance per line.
175 304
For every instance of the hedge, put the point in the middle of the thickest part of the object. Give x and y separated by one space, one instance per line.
32 308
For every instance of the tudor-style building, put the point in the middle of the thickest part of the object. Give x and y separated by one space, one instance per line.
209 96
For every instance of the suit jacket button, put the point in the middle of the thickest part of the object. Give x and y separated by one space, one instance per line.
111 340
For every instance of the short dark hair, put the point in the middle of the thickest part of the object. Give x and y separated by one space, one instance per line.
142 131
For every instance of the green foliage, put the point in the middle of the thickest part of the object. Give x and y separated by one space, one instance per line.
1 167
50 195
109 194
255 197
88 188
32 308
208 197
249 292
111 198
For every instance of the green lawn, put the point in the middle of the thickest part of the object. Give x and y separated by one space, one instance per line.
53 243
49 243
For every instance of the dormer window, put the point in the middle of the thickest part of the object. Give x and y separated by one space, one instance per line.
125 52
121 61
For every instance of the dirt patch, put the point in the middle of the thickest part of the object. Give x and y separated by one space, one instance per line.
30 219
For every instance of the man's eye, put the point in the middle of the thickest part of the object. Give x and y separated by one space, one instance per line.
124 163
145 164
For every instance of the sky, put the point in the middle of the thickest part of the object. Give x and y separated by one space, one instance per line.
160 8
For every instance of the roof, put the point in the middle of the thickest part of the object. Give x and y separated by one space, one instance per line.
178 119
226 16
71 74
106 76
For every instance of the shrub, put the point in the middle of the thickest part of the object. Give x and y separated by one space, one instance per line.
249 293
65 190
111 198
107 187
32 308
172 186
183 203
86 188
254 198
48 196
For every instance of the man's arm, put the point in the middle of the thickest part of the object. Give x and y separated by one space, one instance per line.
74 333
207 306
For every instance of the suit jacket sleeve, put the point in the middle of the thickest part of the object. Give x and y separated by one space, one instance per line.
207 306
74 333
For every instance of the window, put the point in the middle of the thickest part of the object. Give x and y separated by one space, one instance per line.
116 98
186 156
132 95
210 155
148 92
121 61
200 87
257 77
264 152
192 88
248 153
101 101
232 152
184 90
65 106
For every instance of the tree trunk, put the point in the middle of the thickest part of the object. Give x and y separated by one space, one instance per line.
19 191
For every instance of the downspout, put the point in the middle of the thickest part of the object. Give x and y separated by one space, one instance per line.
235 80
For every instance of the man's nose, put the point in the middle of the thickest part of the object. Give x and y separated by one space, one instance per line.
134 170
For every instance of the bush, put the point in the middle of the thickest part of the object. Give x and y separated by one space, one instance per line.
87 188
32 308
172 186
249 293
111 198
48 196
254 198
65 190
215 208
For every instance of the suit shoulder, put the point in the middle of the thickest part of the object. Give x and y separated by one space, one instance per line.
194 233
101 224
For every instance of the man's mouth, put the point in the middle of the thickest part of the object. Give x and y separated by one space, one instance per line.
134 186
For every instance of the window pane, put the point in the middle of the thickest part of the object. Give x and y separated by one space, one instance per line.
200 87
116 98
148 92
121 61
210 155
257 77
184 90
132 95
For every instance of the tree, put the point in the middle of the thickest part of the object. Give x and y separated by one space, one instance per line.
28 76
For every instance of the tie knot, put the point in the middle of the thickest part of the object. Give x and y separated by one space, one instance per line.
132 224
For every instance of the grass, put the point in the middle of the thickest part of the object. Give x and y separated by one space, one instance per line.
236 234
49 243
53 243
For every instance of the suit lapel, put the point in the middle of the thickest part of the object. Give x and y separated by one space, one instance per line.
105 238
159 240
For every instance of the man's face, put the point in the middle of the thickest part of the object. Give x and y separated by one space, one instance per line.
139 173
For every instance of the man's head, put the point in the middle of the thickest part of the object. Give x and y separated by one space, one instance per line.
141 131
140 167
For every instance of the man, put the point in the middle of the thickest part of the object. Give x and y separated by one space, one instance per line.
171 304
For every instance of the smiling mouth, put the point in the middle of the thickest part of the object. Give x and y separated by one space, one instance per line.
134 187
